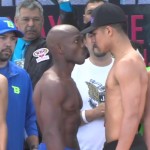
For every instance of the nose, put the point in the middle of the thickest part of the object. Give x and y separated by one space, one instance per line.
30 22
8 42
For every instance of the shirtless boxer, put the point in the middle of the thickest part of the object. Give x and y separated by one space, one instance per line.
126 84
56 97
147 117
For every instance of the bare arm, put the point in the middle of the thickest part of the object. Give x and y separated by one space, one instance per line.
3 110
147 117
131 86
49 113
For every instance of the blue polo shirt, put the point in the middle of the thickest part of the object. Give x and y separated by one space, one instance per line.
21 112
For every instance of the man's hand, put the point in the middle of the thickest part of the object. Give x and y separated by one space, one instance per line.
33 142
100 109
93 114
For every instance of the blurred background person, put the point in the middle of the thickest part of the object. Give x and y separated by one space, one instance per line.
21 112
30 51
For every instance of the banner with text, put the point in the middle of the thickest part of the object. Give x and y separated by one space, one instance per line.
138 13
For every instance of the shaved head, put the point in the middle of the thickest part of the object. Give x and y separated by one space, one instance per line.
59 34
66 44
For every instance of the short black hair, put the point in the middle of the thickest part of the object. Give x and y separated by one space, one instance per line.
121 26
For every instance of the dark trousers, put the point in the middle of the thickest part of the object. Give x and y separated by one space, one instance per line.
138 144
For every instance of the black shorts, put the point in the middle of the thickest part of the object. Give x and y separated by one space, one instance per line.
138 144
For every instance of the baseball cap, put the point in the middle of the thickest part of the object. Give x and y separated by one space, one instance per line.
105 14
6 25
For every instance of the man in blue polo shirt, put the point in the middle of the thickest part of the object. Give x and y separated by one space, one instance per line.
21 112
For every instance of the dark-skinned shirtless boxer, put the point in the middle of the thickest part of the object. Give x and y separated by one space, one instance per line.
56 97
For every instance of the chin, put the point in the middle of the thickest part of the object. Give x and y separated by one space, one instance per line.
30 38
101 54
81 62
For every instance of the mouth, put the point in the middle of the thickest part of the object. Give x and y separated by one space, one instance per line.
30 31
94 46
6 51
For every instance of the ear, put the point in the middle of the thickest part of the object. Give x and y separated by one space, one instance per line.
16 21
109 30
59 49
84 19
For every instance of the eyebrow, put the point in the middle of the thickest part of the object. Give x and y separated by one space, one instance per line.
90 10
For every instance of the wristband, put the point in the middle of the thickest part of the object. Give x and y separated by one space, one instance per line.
83 116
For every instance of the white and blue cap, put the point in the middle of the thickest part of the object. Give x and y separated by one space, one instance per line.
6 25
